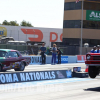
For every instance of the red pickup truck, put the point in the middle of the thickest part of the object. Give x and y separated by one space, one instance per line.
12 59
93 61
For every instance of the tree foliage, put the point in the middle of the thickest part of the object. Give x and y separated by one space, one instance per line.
14 23
24 23
5 22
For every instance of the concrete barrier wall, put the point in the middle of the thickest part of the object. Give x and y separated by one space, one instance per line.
72 59
48 59
68 59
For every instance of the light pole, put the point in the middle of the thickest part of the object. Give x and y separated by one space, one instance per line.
81 28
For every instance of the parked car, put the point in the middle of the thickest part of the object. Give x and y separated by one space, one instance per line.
12 59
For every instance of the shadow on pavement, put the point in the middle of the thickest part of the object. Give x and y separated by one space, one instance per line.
95 89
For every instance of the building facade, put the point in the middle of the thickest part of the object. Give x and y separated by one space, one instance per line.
72 22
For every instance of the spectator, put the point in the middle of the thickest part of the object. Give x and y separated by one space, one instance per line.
98 49
59 55
54 51
43 56
93 50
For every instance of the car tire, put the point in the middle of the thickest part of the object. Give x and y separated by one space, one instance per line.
0 68
93 71
22 67
16 69
3 70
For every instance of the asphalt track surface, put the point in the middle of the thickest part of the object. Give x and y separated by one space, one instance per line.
47 67
62 89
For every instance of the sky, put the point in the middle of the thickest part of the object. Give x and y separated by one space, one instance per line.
40 13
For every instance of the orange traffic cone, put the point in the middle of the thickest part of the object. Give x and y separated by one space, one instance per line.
86 70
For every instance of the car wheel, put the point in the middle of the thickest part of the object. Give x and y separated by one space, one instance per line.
93 71
22 66
3 70
0 68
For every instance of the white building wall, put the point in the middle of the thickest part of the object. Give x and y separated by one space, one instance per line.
20 33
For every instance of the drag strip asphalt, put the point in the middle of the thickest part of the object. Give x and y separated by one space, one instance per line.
47 67
59 89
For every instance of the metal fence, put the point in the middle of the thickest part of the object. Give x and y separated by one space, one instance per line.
24 49
34 50
74 50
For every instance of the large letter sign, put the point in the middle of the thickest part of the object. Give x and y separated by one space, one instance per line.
51 37
35 32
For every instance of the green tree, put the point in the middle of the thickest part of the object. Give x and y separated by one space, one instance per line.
29 24
24 23
14 23
5 22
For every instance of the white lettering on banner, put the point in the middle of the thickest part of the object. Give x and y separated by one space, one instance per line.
34 76
22 76
2 78
27 77
8 77
15 78
93 14
37 76
46 75
42 75
35 59
64 59
31 74
53 75
50 75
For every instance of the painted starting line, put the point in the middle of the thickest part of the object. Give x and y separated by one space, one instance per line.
40 83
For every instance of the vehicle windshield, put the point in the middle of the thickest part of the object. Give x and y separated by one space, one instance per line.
3 53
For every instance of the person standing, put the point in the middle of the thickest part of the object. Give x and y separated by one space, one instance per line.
59 55
43 56
98 49
93 50
54 51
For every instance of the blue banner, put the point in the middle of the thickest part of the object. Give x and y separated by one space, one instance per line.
34 76
64 59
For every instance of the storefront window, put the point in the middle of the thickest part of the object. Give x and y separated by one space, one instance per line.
72 24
